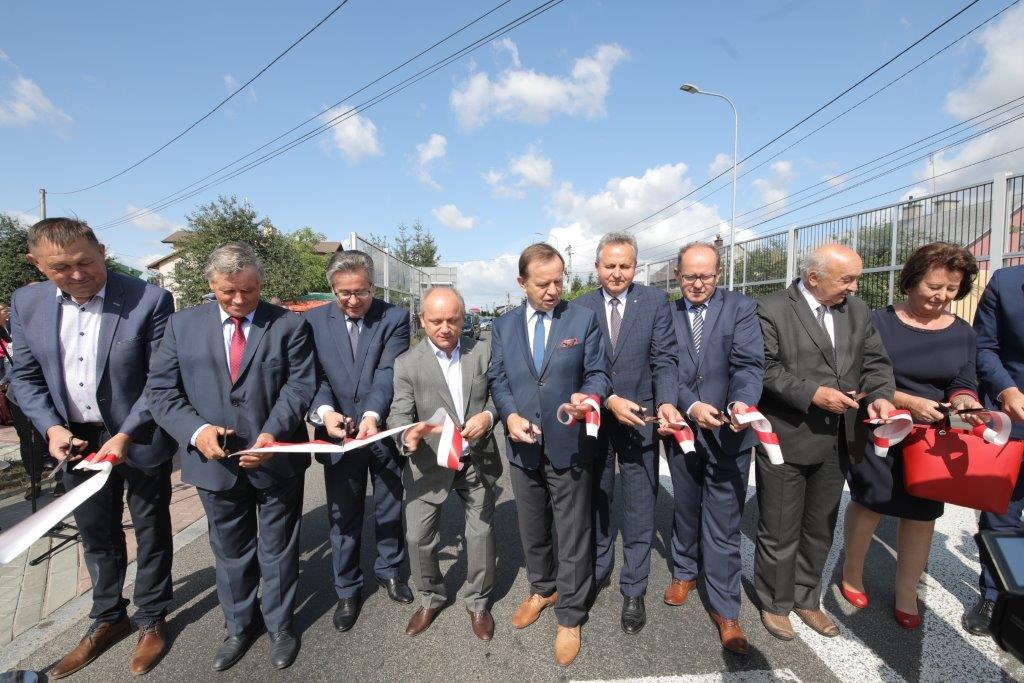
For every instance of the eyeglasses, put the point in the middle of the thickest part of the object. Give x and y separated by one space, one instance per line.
359 294
706 279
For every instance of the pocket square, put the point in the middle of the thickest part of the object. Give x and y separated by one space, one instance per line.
566 343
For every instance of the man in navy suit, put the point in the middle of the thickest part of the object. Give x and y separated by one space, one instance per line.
231 375
85 340
543 354
721 370
357 341
636 325
999 324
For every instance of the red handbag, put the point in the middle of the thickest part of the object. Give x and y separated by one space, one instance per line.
974 468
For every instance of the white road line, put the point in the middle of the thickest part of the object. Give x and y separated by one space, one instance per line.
756 676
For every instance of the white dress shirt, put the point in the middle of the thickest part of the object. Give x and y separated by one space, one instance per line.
608 305
451 368
531 321
317 416
79 344
830 324
228 330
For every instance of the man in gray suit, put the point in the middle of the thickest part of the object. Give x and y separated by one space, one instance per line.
448 371
231 375
85 340
821 350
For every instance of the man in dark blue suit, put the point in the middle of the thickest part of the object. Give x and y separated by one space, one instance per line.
721 370
231 375
85 340
999 324
543 354
357 342
636 325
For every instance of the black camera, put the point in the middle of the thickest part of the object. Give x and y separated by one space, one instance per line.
1004 552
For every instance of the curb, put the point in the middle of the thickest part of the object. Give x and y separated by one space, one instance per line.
65 616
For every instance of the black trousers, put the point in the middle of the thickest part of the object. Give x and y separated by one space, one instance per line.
798 506
99 522
557 499
30 441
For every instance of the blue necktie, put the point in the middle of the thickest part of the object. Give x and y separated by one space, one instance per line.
538 342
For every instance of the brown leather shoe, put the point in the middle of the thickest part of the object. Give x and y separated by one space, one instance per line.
150 648
819 621
567 644
731 633
99 637
778 625
420 620
678 591
483 624
530 608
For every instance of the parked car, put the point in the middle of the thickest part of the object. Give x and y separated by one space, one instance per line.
485 323
471 325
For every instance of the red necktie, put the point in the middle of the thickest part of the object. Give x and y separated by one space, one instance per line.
237 348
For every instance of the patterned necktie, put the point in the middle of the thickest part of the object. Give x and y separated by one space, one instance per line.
821 323
237 348
614 321
353 335
698 325
538 341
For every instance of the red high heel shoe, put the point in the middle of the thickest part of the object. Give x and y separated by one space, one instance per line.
907 621
855 598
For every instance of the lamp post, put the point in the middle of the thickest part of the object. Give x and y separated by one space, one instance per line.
694 90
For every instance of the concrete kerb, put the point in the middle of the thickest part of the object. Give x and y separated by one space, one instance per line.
67 615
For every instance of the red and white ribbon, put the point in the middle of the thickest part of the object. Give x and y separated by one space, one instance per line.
21 536
683 436
763 429
449 449
998 436
592 417
890 430
436 420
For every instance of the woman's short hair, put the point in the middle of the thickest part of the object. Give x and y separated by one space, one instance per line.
939 255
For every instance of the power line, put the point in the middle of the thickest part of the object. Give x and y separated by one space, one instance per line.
373 101
209 113
144 210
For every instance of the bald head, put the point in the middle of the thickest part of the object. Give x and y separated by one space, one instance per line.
831 273
441 313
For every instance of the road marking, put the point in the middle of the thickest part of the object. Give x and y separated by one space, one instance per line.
755 675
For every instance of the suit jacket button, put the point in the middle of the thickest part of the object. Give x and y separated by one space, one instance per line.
540 384
235 402
357 400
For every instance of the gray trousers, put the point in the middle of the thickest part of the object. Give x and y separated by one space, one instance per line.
422 535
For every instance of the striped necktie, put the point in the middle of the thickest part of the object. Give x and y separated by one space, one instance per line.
698 325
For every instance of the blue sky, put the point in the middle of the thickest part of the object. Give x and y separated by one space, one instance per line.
569 126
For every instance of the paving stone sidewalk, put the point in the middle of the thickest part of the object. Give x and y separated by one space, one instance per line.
29 593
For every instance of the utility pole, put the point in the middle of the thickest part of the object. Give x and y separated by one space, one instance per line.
568 251
42 204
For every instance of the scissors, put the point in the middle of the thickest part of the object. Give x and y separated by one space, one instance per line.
224 441
855 395
648 419
63 466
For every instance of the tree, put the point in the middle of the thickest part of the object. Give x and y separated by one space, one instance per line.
579 287
293 267
15 271
417 247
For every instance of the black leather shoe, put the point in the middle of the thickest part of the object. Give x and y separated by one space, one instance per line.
231 650
283 648
397 589
978 621
346 613
634 616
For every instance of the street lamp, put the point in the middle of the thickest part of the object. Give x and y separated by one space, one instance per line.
694 90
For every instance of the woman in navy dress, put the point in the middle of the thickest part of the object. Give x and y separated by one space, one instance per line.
933 357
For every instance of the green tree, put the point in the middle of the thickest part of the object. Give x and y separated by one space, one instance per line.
15 271
578 287
293 267
415 246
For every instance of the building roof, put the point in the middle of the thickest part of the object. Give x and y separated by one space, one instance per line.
175 237
328 247
153 265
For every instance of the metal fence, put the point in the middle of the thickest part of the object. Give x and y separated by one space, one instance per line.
396 281
985 218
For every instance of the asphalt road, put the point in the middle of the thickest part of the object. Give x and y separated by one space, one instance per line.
676 642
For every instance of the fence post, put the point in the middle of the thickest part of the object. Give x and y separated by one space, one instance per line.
894 217
790 256
352 241
998 220
387 275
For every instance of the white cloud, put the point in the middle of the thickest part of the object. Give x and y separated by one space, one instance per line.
355 136
231 85
533 169
449 216
488 282
999 78
835 179
772 190
721 163
499 189
28 104
783 170
436 147
4 58
26 220
506 44
524 95
151 222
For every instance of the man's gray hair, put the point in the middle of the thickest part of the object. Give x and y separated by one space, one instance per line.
348 262
434 288
815 259
232 259
616 238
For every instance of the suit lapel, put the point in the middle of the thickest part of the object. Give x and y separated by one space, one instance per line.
49 338
339 331
553 334
687 343
215 331
258 327
370 321
113 302
468 362
711 315
843 330
595 301
811 326
433 370
524 340
632 311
